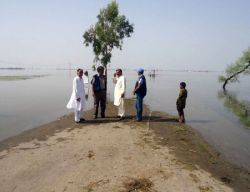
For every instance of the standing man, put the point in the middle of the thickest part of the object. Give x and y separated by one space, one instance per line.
77 99
140 91
86 84
99 88
119 93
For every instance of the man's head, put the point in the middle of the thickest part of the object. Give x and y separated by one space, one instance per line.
79 72
86 73
182 85
118 72
140 71
100 70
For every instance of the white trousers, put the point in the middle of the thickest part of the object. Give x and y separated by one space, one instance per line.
77 115
121 108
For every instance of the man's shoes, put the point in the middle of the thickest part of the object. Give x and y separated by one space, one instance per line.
121 118
118 116
81 121
102 116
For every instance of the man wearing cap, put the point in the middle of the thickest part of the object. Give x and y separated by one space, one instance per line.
140 91
99 87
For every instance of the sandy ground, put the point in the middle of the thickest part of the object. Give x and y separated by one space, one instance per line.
107 156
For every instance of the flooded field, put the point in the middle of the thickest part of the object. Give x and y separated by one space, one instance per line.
222 118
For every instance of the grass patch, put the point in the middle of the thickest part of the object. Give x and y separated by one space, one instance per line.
138 185
19 77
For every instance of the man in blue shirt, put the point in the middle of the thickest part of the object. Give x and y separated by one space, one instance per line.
140 91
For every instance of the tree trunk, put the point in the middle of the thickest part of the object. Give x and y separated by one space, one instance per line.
235 74
106 75
224 84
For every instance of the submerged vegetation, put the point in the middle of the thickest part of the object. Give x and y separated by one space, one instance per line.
19 77
233 71
240 108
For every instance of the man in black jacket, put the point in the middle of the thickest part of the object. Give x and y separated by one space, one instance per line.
99 89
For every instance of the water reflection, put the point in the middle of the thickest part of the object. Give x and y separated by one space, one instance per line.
240 108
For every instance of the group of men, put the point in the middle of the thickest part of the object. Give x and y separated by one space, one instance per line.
99 90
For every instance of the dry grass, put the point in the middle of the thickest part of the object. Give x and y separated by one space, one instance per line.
91 154
138 185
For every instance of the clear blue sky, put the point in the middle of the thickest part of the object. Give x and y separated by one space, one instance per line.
169 34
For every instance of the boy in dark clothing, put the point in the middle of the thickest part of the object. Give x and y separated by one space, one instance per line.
181 102
99 87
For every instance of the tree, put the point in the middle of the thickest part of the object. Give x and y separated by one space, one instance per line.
233 71
108 33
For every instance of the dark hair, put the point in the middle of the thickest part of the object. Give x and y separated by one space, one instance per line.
119 70
79 70
100 68
183 84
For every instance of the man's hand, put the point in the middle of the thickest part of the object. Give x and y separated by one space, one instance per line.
134 92
123 95
78 99
93 94
114 74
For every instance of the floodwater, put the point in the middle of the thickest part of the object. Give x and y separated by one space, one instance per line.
223 119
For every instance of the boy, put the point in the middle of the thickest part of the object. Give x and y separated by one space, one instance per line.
181 102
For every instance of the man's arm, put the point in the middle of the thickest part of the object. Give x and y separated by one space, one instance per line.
114 80
77 96
136 88
138 85
123 87
92 86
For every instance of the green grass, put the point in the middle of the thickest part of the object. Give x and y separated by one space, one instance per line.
19 77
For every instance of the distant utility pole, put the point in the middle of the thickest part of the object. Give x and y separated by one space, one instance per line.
69 66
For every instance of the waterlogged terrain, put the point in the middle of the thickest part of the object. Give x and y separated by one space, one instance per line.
222 119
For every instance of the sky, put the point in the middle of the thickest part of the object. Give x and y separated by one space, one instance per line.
168 34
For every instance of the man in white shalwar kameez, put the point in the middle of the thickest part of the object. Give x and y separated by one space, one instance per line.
77 99
119 92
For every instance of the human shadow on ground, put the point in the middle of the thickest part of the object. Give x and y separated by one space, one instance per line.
130 118
200 121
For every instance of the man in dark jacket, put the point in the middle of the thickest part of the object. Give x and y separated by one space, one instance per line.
140 91
99 88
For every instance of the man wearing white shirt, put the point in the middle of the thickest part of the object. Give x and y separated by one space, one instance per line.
119 92
77 99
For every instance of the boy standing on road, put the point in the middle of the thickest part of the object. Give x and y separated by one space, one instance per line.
181 102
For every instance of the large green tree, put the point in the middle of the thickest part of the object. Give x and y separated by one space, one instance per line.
233 71
107 33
